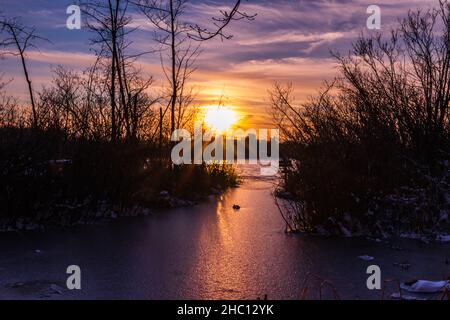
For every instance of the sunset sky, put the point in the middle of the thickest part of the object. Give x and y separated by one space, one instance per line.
290 41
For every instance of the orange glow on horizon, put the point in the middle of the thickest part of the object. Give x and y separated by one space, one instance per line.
220 119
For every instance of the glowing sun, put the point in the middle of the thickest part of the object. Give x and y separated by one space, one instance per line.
220 119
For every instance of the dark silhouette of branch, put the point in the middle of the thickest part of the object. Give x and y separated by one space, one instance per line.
199 33
22 38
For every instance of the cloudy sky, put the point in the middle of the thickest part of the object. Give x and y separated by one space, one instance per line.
290 41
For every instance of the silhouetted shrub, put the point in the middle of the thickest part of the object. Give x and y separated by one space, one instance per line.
380 127
44 172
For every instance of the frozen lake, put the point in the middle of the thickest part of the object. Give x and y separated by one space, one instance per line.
209 251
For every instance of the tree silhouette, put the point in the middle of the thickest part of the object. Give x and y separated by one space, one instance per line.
18 39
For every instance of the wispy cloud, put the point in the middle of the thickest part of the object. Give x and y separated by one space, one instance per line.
290 41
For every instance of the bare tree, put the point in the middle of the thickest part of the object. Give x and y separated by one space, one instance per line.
395 85
429 52
171 36
174 33
140 119
18 40
108 19
111 22
8 106
383 124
